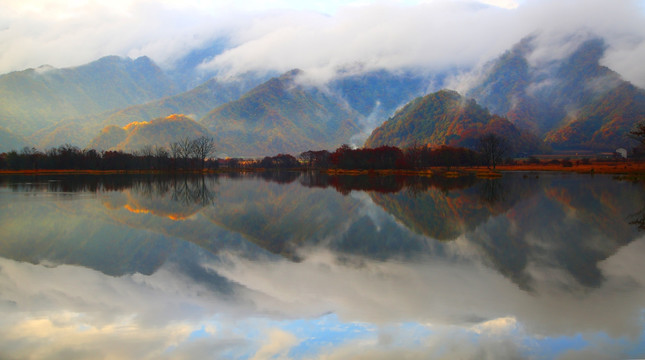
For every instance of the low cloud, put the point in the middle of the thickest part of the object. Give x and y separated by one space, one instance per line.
280 36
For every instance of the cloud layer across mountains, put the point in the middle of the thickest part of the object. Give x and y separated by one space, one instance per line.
318 36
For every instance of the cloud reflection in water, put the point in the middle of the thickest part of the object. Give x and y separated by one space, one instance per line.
323 275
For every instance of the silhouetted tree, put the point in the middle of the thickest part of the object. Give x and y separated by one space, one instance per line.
203 147
493 149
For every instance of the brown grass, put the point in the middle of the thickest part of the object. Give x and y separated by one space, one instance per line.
609 167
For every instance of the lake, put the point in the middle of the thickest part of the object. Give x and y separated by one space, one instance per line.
308 266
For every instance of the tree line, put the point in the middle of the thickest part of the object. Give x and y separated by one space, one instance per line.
492 150
195 154
185 154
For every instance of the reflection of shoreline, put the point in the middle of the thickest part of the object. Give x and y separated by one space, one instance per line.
343 255
599 167
286 212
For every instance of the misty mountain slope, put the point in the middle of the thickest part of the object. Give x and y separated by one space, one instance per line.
10 141
447 118
574 102
604 124
196 102
75 131
33 99
281 116
187 72
157 132
379 91
377 94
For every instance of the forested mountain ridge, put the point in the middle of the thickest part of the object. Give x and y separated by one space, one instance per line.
572 103
196 102
282 116
447 118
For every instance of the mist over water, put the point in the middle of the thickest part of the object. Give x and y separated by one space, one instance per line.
305 266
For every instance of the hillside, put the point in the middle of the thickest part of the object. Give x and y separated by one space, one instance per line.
447 118
157 132
10 141
573 103
281 116
196 102
603 124
36 98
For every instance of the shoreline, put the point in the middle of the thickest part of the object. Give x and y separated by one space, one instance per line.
618 168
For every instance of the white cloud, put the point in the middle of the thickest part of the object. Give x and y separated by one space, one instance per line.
317 36
276 346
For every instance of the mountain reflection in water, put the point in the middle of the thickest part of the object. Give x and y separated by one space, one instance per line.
307 265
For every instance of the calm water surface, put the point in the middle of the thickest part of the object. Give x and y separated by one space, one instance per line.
296 266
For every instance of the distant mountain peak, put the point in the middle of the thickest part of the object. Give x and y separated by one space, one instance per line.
553 99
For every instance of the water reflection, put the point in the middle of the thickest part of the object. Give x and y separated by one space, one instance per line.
396 265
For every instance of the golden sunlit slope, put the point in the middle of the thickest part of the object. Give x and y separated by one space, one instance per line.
157 132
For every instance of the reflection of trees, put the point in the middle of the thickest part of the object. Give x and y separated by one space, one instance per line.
492 191
445 208
193 191
638 219
185 188
345 184
572 225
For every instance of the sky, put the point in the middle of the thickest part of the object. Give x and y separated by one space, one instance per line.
318 36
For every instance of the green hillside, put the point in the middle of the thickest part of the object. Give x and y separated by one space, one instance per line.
447 118
281 116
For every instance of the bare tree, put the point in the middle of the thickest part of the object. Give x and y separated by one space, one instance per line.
161 156
186 150
493 148
147 152
175 151
203 147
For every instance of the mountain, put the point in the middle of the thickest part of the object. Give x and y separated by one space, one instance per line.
157 132
35 98
379 93
10 141
187 72
572 103
196 102
444 214
282 116
447 118
603 124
